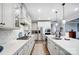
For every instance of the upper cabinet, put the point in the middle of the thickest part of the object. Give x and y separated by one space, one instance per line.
34 26
25 19
1 15
7 16
13 15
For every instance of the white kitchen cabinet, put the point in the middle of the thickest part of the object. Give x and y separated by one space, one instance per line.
0 12
34 26
63 52
27 48
24 50
25 21
7 15
35 37
13 16
21 52
54 49
31 44
49 46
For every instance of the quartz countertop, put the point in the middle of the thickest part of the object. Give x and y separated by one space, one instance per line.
71 46
12 46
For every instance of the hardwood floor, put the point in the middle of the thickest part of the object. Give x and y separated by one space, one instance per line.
40 48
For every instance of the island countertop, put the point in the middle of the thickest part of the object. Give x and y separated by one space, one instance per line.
71 46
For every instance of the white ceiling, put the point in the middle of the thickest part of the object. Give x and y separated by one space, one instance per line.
46 10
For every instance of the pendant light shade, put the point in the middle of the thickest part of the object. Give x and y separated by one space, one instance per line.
56 24
56 15
56 19
63 21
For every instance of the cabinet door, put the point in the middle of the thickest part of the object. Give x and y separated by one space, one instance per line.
0 12
31 44
21 52
8 14
56 50
53 48
63 52
49 45
26 49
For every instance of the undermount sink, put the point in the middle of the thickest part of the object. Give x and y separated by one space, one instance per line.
1 48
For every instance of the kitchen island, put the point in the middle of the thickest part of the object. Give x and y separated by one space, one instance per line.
62 47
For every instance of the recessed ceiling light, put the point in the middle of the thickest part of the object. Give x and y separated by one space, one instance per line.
53 10
39 10
63 21
48 18
76 9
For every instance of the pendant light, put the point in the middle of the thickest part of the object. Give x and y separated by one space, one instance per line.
22 16
63 21
56 18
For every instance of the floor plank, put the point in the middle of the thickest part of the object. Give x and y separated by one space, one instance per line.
40 48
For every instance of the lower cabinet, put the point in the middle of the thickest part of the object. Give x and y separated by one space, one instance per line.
55 49
20 52
27 48
31 45
61 52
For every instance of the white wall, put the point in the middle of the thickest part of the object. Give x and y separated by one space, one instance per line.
73 26
6 36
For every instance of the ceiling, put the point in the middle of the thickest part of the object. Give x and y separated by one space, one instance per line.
43 11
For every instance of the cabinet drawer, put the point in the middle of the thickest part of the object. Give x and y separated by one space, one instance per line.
63 52
53 48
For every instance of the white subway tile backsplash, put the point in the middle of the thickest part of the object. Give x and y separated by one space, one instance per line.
6 36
